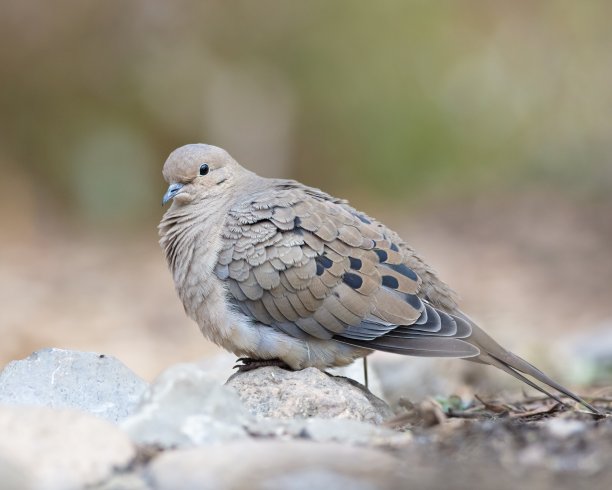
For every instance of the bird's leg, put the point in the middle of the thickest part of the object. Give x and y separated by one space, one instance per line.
365 371
245 364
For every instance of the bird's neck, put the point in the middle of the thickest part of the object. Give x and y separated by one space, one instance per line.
191 239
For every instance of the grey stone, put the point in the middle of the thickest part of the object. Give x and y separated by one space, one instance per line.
184 407
13 476
95 383
272 392
345 431
587 355
61 449
123 481
220 367
404 377
272 465
352 432
356 372
565 428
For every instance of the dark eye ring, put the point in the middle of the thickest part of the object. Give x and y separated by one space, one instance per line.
204 169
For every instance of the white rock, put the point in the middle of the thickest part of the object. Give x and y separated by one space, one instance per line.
185 407
218 367
418 378
87 381
275 465
272 392
61 449
13 476
565 428
345 431
587 355
123 481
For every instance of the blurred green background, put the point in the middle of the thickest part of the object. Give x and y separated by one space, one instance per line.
403 99
482 130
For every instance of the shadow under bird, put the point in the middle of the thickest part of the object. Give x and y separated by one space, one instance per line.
279 272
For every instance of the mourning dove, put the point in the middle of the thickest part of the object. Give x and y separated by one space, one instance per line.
276 271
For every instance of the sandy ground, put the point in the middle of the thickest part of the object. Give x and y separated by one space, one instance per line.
531 445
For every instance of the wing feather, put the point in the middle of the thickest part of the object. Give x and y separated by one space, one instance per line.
310 266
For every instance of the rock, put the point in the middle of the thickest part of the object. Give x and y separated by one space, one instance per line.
272 392
355 371
272 465
565 428
405 377
61 449
123 481
14 476
184 407
219 366
587 355
350 432
94 383
344 431
419 378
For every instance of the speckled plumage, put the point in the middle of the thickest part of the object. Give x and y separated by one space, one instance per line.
273 269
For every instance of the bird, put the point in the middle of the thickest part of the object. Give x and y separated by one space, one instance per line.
280 273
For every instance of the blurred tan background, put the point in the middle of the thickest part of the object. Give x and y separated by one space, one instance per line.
480 130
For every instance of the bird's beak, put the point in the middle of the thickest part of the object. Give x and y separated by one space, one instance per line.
172 191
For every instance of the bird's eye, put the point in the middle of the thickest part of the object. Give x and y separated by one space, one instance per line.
204 168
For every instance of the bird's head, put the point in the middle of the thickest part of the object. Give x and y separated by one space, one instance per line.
198 171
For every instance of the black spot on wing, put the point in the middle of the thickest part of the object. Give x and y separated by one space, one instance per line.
324 261
414 301
390 282
320 268
352 280
355 263
394 247
369 244
382 255
404 270
297 222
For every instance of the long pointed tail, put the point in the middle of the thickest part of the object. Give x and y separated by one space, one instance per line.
493 353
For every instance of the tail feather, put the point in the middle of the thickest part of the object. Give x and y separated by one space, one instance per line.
513 372
493 353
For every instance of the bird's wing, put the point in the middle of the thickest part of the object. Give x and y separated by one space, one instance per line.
301 262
